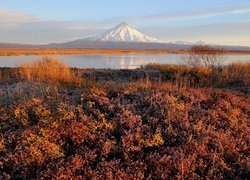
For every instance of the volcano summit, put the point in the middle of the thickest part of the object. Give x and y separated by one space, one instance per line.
123 33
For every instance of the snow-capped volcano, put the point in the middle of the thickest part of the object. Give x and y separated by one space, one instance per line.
123 33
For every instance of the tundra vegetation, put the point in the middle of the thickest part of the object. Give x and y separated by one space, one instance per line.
156 122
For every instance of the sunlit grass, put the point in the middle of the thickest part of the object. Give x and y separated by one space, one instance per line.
49 70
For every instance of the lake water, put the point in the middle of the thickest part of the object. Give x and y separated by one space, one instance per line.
126 61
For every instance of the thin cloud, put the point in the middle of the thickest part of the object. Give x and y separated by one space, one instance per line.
13 19
198 14
29 28
10 19
218 33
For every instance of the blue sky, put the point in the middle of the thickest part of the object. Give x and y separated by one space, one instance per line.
45 21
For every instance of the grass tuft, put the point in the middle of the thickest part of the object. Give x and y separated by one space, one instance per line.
49 70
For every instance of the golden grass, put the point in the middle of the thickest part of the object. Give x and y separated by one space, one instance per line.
49 70
235 75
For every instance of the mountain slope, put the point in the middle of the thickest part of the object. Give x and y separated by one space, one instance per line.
123 33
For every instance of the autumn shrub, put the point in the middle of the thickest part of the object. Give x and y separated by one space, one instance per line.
8 75
2 145
125 131
205 56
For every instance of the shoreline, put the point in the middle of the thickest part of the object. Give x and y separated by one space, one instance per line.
79 51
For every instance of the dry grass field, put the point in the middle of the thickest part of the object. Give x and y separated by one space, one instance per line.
63 51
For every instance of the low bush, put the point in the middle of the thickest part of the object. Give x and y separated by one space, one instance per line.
128 131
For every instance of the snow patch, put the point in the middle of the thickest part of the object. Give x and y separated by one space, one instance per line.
123 33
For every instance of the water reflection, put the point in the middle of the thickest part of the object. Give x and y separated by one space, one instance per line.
134 61
125 61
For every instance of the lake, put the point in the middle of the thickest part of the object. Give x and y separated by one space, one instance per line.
120 61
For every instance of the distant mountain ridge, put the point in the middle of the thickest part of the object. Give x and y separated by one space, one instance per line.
117 45
189 43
